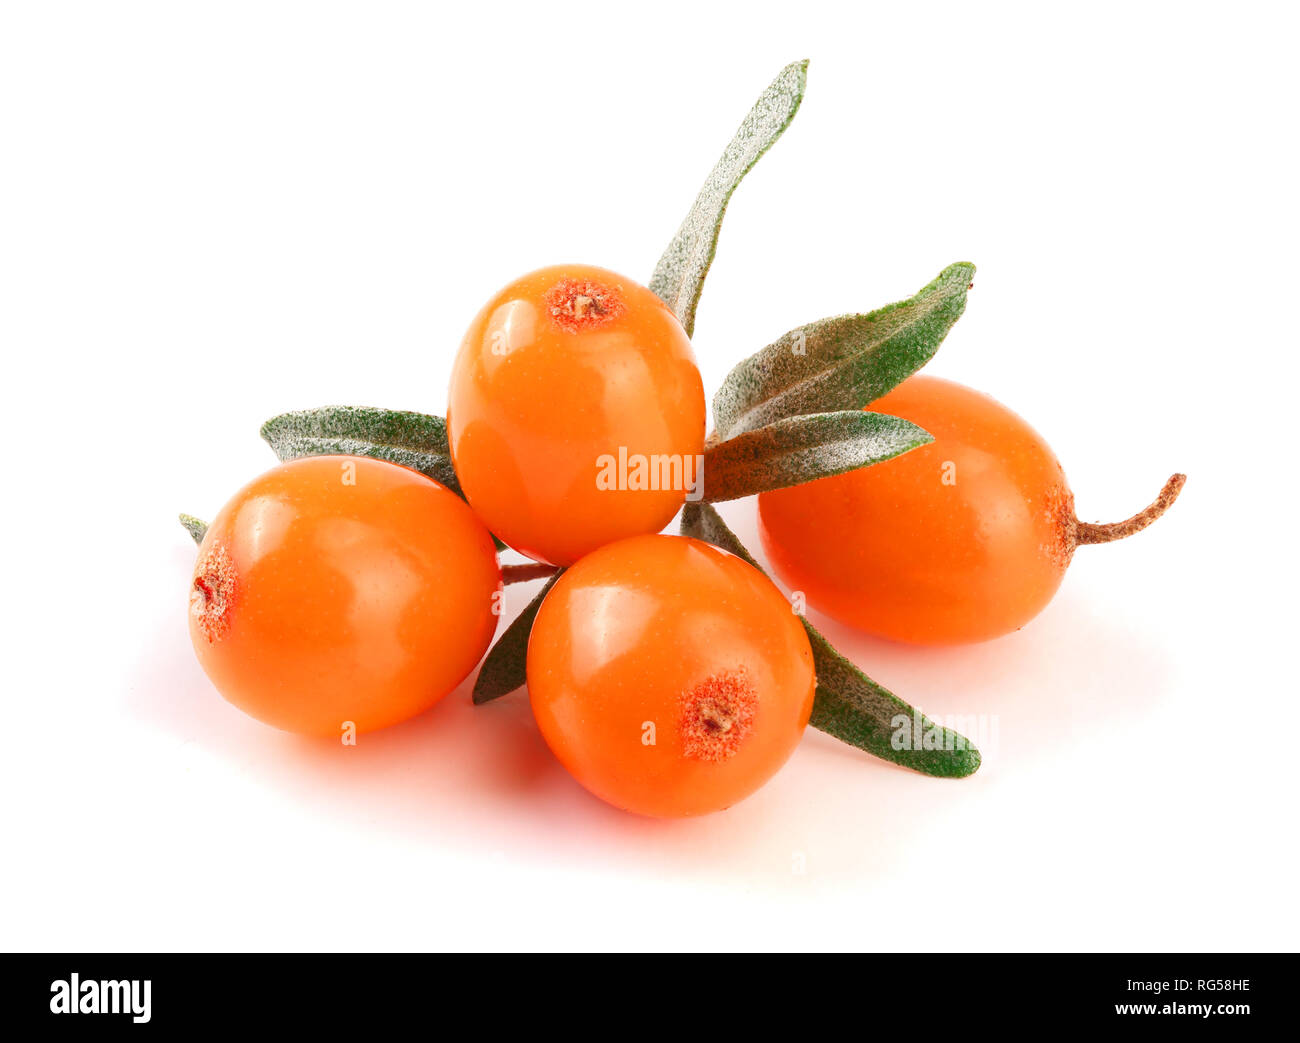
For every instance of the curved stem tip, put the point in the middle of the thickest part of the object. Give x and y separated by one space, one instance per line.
1087 532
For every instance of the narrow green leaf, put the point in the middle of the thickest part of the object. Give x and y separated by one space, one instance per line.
852 707
196 527
679 277
803 448
506 666
413 440
848 704
841 363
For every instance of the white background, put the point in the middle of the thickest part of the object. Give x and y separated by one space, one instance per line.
214 213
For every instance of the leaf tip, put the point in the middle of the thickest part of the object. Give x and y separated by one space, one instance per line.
960 270
965 762
484 694
798 72
268 429
493 681
919 436
196 527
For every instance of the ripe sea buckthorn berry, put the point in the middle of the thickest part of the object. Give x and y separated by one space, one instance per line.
338 589
576 412
669 677
963 539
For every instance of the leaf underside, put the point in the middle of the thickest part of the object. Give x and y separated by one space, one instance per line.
804 448
679 276
845 362
506 666
414 440
196 527
848 704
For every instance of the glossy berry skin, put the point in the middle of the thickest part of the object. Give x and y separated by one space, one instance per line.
559 372
960 540
335 589
669 677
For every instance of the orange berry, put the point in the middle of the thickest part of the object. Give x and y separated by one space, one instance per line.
669 677
576 412
338 589
964 539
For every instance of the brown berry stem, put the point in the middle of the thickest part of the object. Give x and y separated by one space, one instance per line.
523 573
1087 532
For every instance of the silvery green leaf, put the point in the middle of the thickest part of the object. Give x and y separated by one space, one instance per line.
852 707
679 277
801 449
413 440
845 362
